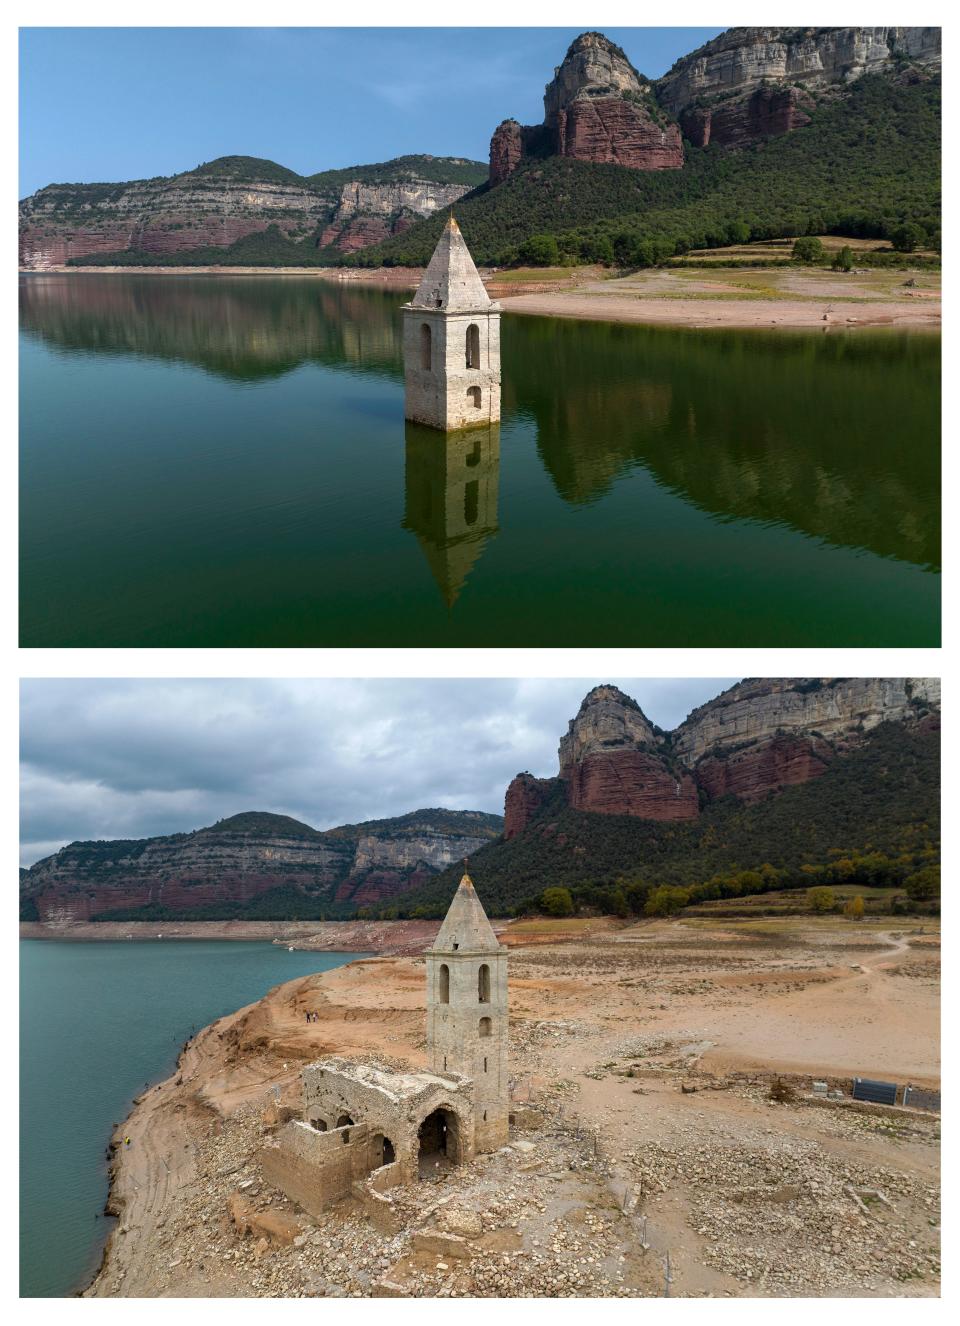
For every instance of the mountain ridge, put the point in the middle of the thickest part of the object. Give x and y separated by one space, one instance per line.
250 864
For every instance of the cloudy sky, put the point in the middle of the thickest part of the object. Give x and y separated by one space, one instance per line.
134 758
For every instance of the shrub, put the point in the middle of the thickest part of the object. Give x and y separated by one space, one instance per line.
557 902
821 900
843 260
807 249
854 908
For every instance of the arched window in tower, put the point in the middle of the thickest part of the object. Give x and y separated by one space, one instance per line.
473 346
444 983
473 396
426 346
486 1027
483 984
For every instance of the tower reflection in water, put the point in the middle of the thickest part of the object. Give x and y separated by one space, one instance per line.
452 482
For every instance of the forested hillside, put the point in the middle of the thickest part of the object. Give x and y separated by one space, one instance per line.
876 811
864 165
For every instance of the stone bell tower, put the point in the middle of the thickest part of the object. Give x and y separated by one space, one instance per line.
467 1012
451 342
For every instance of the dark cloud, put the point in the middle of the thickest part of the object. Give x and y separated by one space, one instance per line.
134 758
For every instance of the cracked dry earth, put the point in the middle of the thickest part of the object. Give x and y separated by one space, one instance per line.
644 1134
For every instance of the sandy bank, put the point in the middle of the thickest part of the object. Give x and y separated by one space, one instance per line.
706 314
606 1023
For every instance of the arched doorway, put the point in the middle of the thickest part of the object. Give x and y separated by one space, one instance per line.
384 1152
344 1121
439 1143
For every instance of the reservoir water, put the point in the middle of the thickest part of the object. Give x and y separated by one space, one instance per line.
219 460
98 1022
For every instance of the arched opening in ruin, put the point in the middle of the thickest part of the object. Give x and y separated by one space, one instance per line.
439 1143
319 1124
473 395
473 346
483 984
486 1027
344 1121
444 983
383 1151
426 346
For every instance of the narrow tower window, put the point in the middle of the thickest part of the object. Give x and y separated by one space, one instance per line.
483 984
444 983
486 1027
426 346
473 346
473 395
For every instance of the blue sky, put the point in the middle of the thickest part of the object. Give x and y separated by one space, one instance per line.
104 104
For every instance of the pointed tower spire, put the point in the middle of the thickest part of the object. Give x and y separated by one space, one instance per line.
466 928
451 282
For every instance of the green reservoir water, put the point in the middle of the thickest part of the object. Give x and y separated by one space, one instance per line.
98 1022
223 461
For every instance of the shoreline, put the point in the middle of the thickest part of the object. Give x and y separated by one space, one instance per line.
654 298
376 937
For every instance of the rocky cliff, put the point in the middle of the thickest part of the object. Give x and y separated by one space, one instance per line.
752 83
251 865
746 85
753 740
226 200
597 107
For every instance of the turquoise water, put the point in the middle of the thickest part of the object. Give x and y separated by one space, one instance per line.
223 461
98 1023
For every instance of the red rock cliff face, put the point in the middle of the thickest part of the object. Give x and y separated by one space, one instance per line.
767 113
753 774
596 108
613 130
525 796
758 737
632 783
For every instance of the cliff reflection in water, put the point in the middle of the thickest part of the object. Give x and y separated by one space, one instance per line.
832 435
451 499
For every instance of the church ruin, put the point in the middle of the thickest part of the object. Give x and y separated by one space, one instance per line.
451 342
368 1129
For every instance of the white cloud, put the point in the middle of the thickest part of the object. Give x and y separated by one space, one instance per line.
134 758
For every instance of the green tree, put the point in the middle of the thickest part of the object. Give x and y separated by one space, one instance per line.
843 260
909 237
924 885
619 904
666 900
557 902
807 249
540 251
821 900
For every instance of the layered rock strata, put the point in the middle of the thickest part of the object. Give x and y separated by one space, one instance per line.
241 858
598 108
754 83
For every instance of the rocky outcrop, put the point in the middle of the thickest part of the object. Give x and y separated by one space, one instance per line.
524 798
218 870
837 709
368 213
220 203
628 782
754 83
766 113
753 740
597 108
